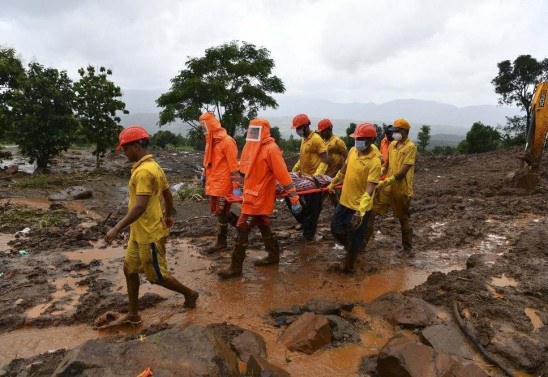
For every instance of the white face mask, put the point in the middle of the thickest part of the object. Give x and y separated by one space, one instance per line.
397 136
254 133
300 132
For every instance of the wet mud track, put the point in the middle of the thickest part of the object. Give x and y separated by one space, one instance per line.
477 240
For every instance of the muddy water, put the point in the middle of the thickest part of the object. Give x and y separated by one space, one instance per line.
43 203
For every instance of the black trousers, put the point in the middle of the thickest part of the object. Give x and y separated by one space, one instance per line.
341 228
312 207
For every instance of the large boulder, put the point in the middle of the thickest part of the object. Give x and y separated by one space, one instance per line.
405 356
342 331
72 193
248 343
194 351
323 307
307 334
259 367
448 339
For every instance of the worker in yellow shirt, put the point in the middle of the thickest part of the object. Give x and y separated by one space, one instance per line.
336 154
396 190
312 161
359 175
149 227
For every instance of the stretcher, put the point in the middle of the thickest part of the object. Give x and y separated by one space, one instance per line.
238 199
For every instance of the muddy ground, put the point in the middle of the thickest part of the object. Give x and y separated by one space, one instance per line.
478 241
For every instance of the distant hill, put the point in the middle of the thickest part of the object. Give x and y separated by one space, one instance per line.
448 123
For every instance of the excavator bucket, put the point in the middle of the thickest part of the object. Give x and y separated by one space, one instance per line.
527 176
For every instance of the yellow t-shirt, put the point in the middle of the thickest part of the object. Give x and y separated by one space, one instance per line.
311 149
398 156
335 159
148 178
359 171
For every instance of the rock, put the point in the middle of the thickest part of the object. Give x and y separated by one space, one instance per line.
342 331
194 351
448 339
285 320
323 307
368 366
293 310
248 343
72 193
259 367
408 312
10 170
405 356
307 334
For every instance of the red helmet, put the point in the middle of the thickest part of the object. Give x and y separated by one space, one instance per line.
300 120
365 130
324 124
130 134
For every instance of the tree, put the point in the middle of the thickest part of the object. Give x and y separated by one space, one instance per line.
479 139
232 80
515 82
276 134
348 140
423 137
162 139
12 77
514 131
44 119
97 104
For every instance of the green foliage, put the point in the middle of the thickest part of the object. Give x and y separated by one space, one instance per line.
18 217
479 139
348 140
275 133
43 115
232 80
515 82
12 77
192 190
423 138
290 145
162 139
97 104
443 150
196 139
514 131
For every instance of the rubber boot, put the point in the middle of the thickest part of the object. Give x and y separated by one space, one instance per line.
222 234
369 229
406 236
271 246
232 219
349 262
238 256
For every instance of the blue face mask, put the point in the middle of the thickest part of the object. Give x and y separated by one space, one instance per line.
300 132
361 145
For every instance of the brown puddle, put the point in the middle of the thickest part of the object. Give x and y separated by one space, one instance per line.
43 203
504 281
534 317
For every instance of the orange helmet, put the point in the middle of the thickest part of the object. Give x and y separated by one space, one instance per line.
324 124
300 120
365 130
130 134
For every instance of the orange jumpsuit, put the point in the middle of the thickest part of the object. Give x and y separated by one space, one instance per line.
385 143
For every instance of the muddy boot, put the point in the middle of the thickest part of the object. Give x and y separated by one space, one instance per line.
238 256
406 236
271 246
369 230
222 234
348 265
233 219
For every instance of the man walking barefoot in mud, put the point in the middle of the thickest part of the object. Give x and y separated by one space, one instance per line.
146 250
396 190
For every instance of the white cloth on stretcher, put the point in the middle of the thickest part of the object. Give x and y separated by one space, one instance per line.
303 183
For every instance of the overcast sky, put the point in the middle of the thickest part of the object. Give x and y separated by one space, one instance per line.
339 50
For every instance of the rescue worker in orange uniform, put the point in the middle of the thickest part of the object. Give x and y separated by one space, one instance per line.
360 175
312 161
396 190
149 226
336 154
221 176
385 143
261 164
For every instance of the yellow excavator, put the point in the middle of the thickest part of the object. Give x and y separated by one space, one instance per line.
527 176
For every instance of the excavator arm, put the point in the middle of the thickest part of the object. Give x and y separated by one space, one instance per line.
527 178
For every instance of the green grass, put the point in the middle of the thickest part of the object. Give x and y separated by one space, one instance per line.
42 181
17 216
191 191
185 148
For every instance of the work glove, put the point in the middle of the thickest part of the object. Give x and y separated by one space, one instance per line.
387 182
322 167
356 220
296 209
202 180
297 167
236 191
338 179
366 202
